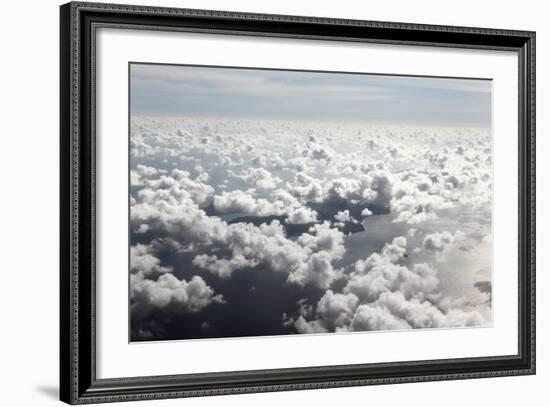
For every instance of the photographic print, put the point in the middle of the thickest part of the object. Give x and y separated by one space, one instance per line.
274 202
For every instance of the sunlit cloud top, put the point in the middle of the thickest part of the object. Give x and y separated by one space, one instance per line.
178 90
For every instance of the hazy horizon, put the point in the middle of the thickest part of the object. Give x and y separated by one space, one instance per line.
258 94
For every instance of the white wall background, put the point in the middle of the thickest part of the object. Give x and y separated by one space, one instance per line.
29 162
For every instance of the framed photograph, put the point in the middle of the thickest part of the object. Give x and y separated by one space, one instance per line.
255 203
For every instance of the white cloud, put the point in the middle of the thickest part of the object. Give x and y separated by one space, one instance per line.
302 215
306 187
145 170
281 203
417 207
238 201
260 178
223 268
343 216
423 314
382 294
152 284
370 317
172 213
318 271
366 212
440 241
179 217
175 187
304 326
143 261
336 310
291 165
322 237
167 290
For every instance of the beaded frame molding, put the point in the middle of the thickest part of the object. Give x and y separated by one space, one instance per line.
78 381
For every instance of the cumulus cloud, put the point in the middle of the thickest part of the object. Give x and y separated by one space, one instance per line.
240 201
281 203
366 212
442 242
145 170
306 187
306 261
260 177
381 272
318 271
401 312
143 261
370 317
173 213
334 311
190 296
383 294
223 268
439 241
343 216
414 206
316 150
175 187
302 215
152 284
188 175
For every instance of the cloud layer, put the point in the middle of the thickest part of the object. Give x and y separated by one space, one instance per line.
369 227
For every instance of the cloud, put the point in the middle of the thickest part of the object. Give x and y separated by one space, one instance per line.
366 212
350 190
322 237
145 170
381 272
336 310
306 187
419 313
414 207
302 215
176 186
154 285
260 178
304 326
242 202
281 203
343 216
382 294
308 260
190 296
143 261
171 212
318 271
369 317
190 174
317 151
223 268
238 201
441 241
374 186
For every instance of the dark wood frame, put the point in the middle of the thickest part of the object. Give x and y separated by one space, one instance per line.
78 382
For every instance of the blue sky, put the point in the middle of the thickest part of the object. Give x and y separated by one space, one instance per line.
179 90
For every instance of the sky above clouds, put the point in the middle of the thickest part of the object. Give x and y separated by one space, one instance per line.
179 90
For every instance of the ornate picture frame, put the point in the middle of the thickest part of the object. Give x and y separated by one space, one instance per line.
79 382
